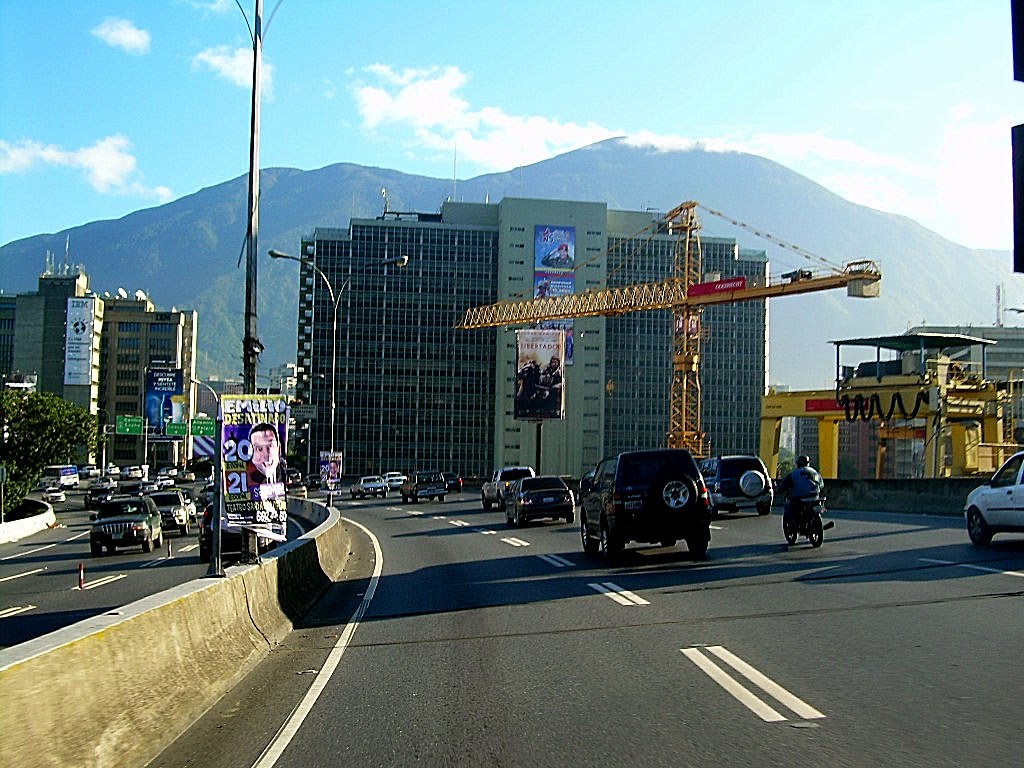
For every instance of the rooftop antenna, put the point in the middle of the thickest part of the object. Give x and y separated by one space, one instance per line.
999 306
455 159
384 194
67 255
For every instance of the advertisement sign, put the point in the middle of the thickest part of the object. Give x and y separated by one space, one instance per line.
78 341
164 399
331 467
539 375
254 435
554 264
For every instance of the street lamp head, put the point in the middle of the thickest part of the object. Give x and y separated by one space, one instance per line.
275 254
398 261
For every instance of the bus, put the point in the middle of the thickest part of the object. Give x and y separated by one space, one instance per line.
63 475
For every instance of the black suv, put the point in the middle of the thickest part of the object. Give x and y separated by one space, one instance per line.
732 486
126 521
655 496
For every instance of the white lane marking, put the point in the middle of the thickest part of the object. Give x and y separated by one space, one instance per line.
101 582
48 546
189 547
291 726
736 689
555 560
973 567
487 532
795 705
153 563
15 610
618 594
459 523
516 542
716 527
413 512
19 575
741 694
438 517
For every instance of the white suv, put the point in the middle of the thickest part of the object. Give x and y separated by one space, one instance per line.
998 505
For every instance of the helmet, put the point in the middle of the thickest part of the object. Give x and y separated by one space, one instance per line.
803 461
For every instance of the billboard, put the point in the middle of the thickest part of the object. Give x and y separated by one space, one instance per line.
554 265
331 467
163 399
78 341
539 392
254 435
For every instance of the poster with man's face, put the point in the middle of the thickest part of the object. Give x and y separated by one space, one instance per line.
330 470
254 439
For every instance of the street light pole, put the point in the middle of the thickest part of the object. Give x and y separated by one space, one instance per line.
216 567
398 261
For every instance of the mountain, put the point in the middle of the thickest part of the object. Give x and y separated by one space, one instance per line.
186 254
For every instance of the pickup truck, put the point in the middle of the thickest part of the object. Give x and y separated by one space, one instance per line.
493 491
423 485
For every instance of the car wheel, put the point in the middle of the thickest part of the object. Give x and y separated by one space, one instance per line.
147 544
96 550
204 555
405 499
788 530
517 515
815 535
111 549
508 518
668 542
764 508
977 528
183 529
676 493
569 517
441 498
589 545
159 540
485 502
698 546
610 545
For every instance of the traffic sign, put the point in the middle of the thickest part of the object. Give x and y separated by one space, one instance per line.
129 425
204 427
3 474
303 411
176 428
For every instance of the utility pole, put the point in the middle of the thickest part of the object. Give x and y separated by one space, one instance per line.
251 346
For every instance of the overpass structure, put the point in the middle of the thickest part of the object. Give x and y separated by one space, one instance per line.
923 394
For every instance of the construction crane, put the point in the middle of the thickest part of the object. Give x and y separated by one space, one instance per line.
686 296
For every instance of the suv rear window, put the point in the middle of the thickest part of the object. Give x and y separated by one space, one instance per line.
736 466
542 484
165 499
117 508
515 474
641 470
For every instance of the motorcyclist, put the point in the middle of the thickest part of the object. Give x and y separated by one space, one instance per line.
802 484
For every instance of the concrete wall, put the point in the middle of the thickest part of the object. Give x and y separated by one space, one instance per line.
932 497
115 689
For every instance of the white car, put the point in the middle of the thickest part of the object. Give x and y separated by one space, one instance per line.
998 505
394 480
54 494
113 469
371 485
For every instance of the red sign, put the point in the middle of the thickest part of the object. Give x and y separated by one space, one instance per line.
813 404
718 286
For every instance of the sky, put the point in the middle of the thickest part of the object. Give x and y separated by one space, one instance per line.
111 107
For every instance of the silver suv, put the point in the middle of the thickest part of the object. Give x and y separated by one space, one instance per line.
732 490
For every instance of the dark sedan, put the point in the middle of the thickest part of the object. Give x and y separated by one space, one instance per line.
532 498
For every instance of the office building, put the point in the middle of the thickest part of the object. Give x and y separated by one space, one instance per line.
413 391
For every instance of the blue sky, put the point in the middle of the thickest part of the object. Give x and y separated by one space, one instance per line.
109 107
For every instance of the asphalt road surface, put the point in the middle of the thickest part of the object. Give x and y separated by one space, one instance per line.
40 586
896 643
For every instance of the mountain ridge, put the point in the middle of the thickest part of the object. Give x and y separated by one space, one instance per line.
925 277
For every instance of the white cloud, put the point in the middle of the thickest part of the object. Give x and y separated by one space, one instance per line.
426 102
123 34
235 66
108 165
215 6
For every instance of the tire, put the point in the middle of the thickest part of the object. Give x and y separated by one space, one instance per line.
96 550
485 502
788 530
508 519
147 544
674 493
589 545
815 533
570 517
111 549
183 529
977 528
405 499
698 547
158 542
668 542
204 555
764 509
610 545
441 498
384 494
517 516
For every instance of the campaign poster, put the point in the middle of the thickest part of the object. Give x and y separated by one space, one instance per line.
554 272
78 341
331 467
163 385
253 442
540 393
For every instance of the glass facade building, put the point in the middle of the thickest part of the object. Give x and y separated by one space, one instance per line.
414 392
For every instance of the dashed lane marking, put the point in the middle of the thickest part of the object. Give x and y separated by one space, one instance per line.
15 610
555 560
618 594
972 567
516 542
101 582
26 573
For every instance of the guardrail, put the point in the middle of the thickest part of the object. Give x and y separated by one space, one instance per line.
116 689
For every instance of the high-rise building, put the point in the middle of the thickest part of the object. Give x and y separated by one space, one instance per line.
413 391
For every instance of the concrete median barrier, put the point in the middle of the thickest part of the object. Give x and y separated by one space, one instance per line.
115 689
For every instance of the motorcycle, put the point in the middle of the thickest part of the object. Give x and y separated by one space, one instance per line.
804 519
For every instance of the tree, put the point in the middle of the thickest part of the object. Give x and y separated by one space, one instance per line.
39 429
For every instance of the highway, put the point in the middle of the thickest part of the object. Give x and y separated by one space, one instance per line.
39 575
896 643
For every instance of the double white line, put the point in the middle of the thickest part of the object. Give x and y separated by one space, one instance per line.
618 594
799 707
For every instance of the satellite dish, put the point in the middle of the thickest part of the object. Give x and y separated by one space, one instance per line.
140 295
122 293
